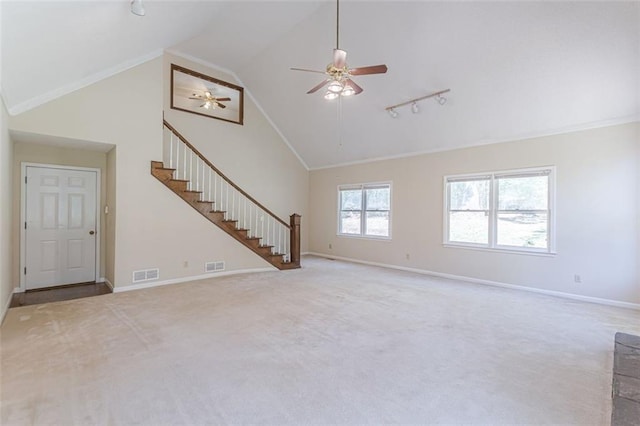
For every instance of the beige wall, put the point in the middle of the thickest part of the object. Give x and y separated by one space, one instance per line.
153 227
253 155
47 154
638 196
6 194
110 222
597 213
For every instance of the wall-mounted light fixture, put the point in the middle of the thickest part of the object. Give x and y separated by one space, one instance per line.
414 105
137 8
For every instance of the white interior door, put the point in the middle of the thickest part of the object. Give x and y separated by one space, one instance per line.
60 233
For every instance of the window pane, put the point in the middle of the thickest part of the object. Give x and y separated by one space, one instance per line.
523 193
350 222
469 227
351 199
378 224
522 230
378 199
469 195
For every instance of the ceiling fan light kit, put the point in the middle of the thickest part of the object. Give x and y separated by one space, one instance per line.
414 103
339 82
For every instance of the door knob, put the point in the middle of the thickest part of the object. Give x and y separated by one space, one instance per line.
91 232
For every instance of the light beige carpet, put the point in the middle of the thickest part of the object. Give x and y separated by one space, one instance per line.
331 343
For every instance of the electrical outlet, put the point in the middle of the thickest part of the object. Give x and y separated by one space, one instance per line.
577 279
408 256
185 264
330 247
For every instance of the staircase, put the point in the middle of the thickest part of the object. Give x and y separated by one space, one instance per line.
187 173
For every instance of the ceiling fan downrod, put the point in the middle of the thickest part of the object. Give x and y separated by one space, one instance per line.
337 24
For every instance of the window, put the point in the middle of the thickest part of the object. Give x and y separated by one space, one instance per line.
365 210
502 210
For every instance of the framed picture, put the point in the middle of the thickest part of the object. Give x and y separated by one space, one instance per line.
203 95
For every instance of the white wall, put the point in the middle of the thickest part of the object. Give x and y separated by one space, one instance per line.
153 227
252 155
597 213
6 194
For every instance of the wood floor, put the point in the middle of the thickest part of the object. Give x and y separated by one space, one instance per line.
57 294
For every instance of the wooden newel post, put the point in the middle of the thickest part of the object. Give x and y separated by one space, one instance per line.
295 239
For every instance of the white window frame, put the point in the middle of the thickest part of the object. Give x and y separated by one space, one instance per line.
363 211
493 176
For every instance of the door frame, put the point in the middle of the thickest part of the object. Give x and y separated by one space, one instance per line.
23 213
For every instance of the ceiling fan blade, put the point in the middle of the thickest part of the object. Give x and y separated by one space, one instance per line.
222 99
220 105
339 58
302 69
374 69
356 89
196 97
203 105
318 87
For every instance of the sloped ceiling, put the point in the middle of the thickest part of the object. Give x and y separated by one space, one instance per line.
515 69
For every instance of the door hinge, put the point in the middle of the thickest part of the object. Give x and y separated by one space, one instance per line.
25 270
25 179
25 225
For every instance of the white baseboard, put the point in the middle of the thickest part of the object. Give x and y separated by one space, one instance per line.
190 278
5 308
108 283
598 300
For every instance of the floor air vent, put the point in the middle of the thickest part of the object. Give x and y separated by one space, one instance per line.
214 266
146 275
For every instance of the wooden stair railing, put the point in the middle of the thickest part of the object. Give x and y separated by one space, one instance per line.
205 188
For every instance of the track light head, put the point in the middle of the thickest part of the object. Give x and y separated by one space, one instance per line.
137 8
414 108
393 113
441 99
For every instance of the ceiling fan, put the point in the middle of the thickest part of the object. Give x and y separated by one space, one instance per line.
339 74
210 101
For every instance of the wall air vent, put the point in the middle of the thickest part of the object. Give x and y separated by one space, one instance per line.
146 275
214 266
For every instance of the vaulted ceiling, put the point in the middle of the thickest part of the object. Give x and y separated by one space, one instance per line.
515 69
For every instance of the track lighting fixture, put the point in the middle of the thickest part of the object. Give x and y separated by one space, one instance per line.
414 102
137 8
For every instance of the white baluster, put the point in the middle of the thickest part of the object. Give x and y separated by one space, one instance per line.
184 157
209 186
171 150
197 173
177 174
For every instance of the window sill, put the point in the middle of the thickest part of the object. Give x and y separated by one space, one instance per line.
364 237
502 250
